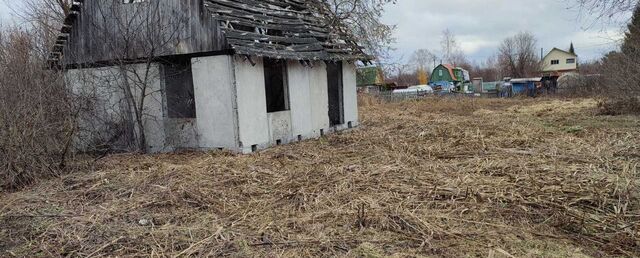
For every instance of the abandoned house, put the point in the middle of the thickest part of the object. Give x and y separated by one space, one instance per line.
240 75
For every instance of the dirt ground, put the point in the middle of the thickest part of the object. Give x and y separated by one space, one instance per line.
429 178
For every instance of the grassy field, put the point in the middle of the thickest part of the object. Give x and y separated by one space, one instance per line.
429 178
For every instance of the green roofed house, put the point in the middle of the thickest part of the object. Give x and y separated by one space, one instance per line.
369 79
448 73
444 73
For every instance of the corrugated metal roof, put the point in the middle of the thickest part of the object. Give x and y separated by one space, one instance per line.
521 80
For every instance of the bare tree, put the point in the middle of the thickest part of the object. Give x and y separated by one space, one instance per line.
622 69
423 59
451 51
402 74
607 9
47 15
134 40
363 18
517 55
449 46
487 70
616 78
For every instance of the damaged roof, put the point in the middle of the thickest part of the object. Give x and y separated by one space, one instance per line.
280 29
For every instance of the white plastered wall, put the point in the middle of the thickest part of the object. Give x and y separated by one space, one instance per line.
319 98
104 87
230 104
214 90
299 78
562 59
308 112
153 110
253 122
350 94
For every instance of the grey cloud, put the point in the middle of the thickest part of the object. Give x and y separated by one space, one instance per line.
481 25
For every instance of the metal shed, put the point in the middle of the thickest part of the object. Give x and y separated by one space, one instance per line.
525 86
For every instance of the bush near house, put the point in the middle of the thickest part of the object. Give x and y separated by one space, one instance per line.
621 85
35 117
619 106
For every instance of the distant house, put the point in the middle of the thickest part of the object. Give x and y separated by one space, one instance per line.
446 73
370 79
558 62
230 74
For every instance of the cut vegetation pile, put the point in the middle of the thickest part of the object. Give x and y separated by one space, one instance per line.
436 177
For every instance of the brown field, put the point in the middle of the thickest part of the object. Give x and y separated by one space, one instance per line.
430 178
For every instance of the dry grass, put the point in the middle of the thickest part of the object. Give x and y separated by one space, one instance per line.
619 106
438 177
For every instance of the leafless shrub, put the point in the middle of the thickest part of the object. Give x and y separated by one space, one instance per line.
35 113
619 106
617 84
621 80
580 85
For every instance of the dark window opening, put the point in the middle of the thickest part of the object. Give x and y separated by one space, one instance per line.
179 89
555 62
336 102
275 83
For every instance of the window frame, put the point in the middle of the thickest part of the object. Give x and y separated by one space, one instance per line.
555 62
286 105
172 70
573 60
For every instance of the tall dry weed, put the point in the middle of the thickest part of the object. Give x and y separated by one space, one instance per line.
35 124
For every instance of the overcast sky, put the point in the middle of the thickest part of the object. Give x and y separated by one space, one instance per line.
480 25
4 12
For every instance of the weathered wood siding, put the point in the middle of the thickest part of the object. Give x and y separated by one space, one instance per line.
108 30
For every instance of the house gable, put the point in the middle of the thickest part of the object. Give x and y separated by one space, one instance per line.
444 72
559 60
